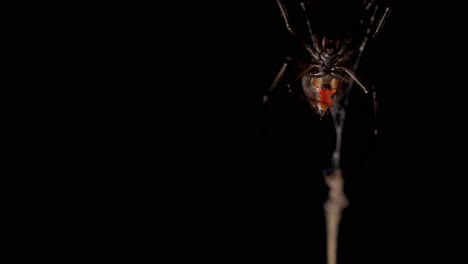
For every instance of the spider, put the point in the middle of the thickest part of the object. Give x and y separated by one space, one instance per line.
332 62
326 78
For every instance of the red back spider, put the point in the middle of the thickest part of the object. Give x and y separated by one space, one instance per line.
332 62
324 79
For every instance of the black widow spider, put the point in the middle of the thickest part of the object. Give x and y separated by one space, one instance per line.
331 65
332 62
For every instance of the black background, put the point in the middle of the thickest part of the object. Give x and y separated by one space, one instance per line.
138 133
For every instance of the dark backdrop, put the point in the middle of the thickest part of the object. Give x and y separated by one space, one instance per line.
140 135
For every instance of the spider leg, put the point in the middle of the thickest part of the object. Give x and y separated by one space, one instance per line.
305 71
337 76
382 21
312 35
371 6
375 106
370 32
308 69
277 79
344 46
285 17
351 74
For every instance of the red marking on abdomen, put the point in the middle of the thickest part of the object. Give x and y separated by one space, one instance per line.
325 97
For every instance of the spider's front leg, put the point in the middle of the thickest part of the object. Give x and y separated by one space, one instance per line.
285 17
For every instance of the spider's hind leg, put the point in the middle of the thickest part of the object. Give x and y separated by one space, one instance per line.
277 79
